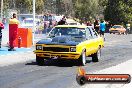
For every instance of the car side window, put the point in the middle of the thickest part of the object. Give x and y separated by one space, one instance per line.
94 33
88 34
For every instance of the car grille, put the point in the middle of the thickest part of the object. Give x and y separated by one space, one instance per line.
56 49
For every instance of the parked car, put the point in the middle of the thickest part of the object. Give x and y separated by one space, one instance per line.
117 29
73 42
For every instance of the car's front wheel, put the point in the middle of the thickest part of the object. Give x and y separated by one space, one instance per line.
81 80
82 59
96 56
40 61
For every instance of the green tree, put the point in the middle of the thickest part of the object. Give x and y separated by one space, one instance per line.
118 12
24 6
86 8
39 6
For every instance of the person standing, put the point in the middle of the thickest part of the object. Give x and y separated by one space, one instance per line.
128 28
62 21
1 27
96 26
102 28
88 23
13 31
4 21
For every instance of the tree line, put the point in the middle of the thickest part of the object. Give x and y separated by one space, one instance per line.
115 11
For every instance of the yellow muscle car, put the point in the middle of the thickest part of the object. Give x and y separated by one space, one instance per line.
74 42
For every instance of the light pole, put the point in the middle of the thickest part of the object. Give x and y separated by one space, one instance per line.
34 26
1 9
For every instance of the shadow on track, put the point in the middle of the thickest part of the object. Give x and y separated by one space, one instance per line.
59 63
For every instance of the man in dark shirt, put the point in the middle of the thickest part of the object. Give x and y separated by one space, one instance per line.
62 22
96 26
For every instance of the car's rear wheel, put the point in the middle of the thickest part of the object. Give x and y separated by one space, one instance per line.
40 61
82 59
96 56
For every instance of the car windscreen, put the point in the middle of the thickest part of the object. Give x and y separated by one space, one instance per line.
58 31
116 27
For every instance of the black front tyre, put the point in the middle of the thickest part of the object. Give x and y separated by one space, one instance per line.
96 56
40 61
81 80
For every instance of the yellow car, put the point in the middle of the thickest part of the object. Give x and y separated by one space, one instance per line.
69 42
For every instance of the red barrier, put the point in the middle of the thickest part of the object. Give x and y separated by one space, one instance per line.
24 38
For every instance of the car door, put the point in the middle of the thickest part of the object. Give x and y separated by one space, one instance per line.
89 42
96 40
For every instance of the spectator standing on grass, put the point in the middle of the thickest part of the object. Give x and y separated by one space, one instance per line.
1 27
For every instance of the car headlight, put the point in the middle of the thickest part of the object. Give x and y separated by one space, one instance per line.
73 49
38 47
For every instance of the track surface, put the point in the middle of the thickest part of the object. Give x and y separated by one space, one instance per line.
118 49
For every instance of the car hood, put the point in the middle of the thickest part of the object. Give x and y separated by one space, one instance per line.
112 29
61 40
118 29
